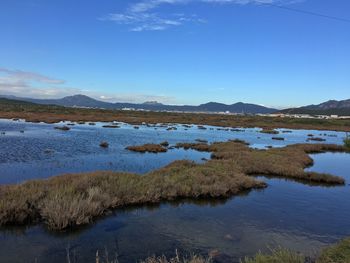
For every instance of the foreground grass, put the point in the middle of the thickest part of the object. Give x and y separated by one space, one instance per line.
75 199
177 259
53 114
277 256
339 253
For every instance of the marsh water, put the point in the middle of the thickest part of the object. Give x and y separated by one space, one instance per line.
290 214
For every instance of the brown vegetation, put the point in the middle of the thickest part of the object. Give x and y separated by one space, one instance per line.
70 200
151 148
201 147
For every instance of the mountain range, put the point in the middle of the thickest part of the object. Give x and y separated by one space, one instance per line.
85 101
331 107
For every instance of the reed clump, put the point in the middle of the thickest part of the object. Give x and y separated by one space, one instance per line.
150 148
71 200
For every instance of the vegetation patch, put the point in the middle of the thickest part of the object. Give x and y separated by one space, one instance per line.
151 148
339 253
269 131
75 199
201 147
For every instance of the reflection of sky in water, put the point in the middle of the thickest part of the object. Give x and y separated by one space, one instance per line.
293 215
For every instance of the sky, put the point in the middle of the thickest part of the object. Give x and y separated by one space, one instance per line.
276 53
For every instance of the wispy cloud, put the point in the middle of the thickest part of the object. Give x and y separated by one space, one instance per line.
26 84
19 76
141 16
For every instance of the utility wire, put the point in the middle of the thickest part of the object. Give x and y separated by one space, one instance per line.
306 12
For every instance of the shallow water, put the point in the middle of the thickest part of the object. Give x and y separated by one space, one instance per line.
287 213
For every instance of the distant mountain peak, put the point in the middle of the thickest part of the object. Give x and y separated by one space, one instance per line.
330 107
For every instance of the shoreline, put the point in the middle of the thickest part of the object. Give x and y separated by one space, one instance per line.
53 114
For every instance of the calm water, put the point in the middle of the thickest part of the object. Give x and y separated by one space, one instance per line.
300 217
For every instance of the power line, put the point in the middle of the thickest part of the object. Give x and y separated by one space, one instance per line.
305 12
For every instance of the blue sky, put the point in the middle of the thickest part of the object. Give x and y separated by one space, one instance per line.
176 51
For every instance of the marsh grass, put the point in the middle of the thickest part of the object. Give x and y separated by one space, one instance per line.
150 148
338 253
279 255
71 200
269 131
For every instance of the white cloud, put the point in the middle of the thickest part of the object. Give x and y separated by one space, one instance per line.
140 16
18 76
24 84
